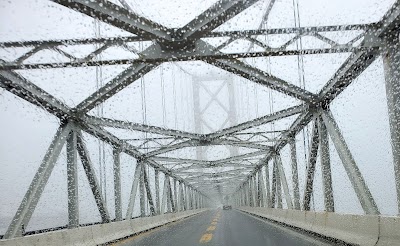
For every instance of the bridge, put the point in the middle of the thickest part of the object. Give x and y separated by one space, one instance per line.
135 122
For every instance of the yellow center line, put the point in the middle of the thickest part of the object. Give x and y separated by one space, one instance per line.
213 223
206 238
211 228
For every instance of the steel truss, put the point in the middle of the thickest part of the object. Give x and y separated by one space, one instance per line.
183 187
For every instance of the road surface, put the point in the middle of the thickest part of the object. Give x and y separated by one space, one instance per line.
220 228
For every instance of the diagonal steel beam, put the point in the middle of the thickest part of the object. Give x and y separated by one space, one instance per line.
21 87
93 181
359 61
31 198
353 172
124 79
248 72
216 15
259 121
25 89
117 16
140 127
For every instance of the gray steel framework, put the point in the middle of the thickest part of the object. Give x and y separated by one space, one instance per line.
258 186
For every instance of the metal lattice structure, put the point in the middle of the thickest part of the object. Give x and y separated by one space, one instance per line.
182 188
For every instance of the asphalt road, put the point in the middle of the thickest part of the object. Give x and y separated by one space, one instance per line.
219 228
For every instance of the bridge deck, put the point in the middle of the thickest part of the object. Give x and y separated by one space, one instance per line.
222 227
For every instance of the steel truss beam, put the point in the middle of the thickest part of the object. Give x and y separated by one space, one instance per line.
216 15
360 187
361 58
21 87
310 172
91 176
140 127
232 34
119 17
35 190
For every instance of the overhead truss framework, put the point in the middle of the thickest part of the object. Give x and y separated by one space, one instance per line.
189 43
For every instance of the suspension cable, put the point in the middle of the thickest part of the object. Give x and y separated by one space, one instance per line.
100 113
302 82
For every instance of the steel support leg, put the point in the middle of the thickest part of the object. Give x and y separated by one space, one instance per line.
391 64
157 186
284 183
72 180
135 184
250 192
325 167
182 196
268 197
117 184
295 174
35 190
165 195
312 159
142 197
175 196
363 193
261 189
148 192
273 191
278 187
171 198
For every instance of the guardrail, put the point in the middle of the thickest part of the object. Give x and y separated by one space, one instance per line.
354 229
101 233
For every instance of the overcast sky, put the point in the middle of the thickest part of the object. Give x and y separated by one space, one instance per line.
26 131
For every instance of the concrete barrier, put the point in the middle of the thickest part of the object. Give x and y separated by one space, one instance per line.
354 229
98 234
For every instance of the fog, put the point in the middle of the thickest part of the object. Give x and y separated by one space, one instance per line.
164 97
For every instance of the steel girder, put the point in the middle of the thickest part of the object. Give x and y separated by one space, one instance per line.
21 87
119 17
188 55
354 65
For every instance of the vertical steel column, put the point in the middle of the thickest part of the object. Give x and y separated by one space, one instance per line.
135 184
273 191
148 192
168 194
282 177
175 196
246 194
261 188
117 184
250 192
363 193
242 201
325 167
72 177
278 188
267 187
312 159
391 64
157 186
141 191
182 196
255 190
165 195
295 174
189 205
171 203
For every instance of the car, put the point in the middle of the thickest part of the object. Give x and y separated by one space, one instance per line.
226 207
